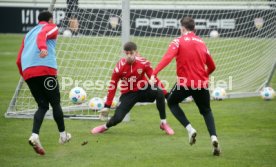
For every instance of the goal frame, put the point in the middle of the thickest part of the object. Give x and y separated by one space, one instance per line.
11 111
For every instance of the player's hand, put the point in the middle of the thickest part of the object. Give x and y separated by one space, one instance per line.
105 109
104 114
43 53
152 80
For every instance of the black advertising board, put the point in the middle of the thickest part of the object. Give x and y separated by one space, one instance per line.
229 23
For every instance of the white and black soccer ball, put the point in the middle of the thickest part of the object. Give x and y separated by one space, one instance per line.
267 93
214 34
67 33
77 95
219 93
96 104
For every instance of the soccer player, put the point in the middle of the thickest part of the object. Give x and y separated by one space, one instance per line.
37 65
194 64
132 70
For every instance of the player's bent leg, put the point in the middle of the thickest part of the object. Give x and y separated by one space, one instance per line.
53 97
58 117
151 94
38 119
209 121
177 95
178 113
36 89
35 143
127 101
160 104
202 100
116 118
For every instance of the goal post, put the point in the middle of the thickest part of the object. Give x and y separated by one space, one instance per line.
125 33
241 37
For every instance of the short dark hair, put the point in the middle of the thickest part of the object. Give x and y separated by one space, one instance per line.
188 23
45 16
130 46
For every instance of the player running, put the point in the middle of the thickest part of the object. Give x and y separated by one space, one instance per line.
194 65
131 70
37 65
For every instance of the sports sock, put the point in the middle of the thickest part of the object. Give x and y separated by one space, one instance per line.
189 127
62 134
214 138
35 135
163 121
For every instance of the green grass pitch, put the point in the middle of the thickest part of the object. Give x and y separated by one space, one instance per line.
246 129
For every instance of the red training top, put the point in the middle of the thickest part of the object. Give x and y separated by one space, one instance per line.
132 77
193 61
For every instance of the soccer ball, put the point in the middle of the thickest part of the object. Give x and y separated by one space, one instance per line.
96 104
77 95
67 33
267 93
219 94
214 34
114 102
188 99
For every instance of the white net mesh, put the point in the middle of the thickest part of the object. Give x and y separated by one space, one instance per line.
242 44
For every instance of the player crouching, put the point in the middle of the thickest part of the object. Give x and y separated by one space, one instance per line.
131 70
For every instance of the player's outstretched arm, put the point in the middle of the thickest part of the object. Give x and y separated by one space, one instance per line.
154 80
167 58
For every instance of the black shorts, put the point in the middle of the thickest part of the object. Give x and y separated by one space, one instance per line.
128 100
200 96
45 90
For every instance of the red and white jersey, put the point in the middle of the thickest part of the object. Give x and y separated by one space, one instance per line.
193 61
132 77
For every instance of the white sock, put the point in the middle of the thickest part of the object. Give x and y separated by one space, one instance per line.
163 121
214 138
62 134
189 128
105 126
35 135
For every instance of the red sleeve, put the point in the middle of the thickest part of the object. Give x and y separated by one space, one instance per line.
49 31
210 63
112 87
18 60
167 58
149 71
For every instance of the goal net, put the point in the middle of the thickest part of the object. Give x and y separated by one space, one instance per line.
239 34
